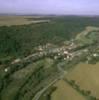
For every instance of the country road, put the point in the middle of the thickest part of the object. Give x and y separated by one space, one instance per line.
37 96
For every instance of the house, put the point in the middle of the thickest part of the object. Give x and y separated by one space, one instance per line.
6 70
16 61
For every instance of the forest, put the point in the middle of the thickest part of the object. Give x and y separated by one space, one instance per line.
20 40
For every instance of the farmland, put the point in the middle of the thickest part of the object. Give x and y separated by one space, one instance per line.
52 58
20 20
65 92
86 76
20 40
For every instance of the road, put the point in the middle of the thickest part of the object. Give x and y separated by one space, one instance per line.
38 95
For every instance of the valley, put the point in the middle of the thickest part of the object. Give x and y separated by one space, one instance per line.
37 65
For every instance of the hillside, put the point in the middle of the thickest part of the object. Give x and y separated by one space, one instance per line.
35 57
20 40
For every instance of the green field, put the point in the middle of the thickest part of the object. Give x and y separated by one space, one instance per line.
20 40
44 57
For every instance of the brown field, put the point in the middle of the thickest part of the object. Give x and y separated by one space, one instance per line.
19 20
65 92
87 77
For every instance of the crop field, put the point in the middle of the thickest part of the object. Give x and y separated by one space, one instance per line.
65 92
43 61
20 20
87 77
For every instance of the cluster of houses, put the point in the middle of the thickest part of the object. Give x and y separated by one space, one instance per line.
56 52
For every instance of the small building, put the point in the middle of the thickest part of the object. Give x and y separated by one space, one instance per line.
65 58
55 57
95 55
6 70
66 52
16 61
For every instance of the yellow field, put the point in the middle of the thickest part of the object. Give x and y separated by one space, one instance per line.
65 92
87 77
19 20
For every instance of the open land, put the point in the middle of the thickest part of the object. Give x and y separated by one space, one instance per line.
56 60
86 76
20 20
65 92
